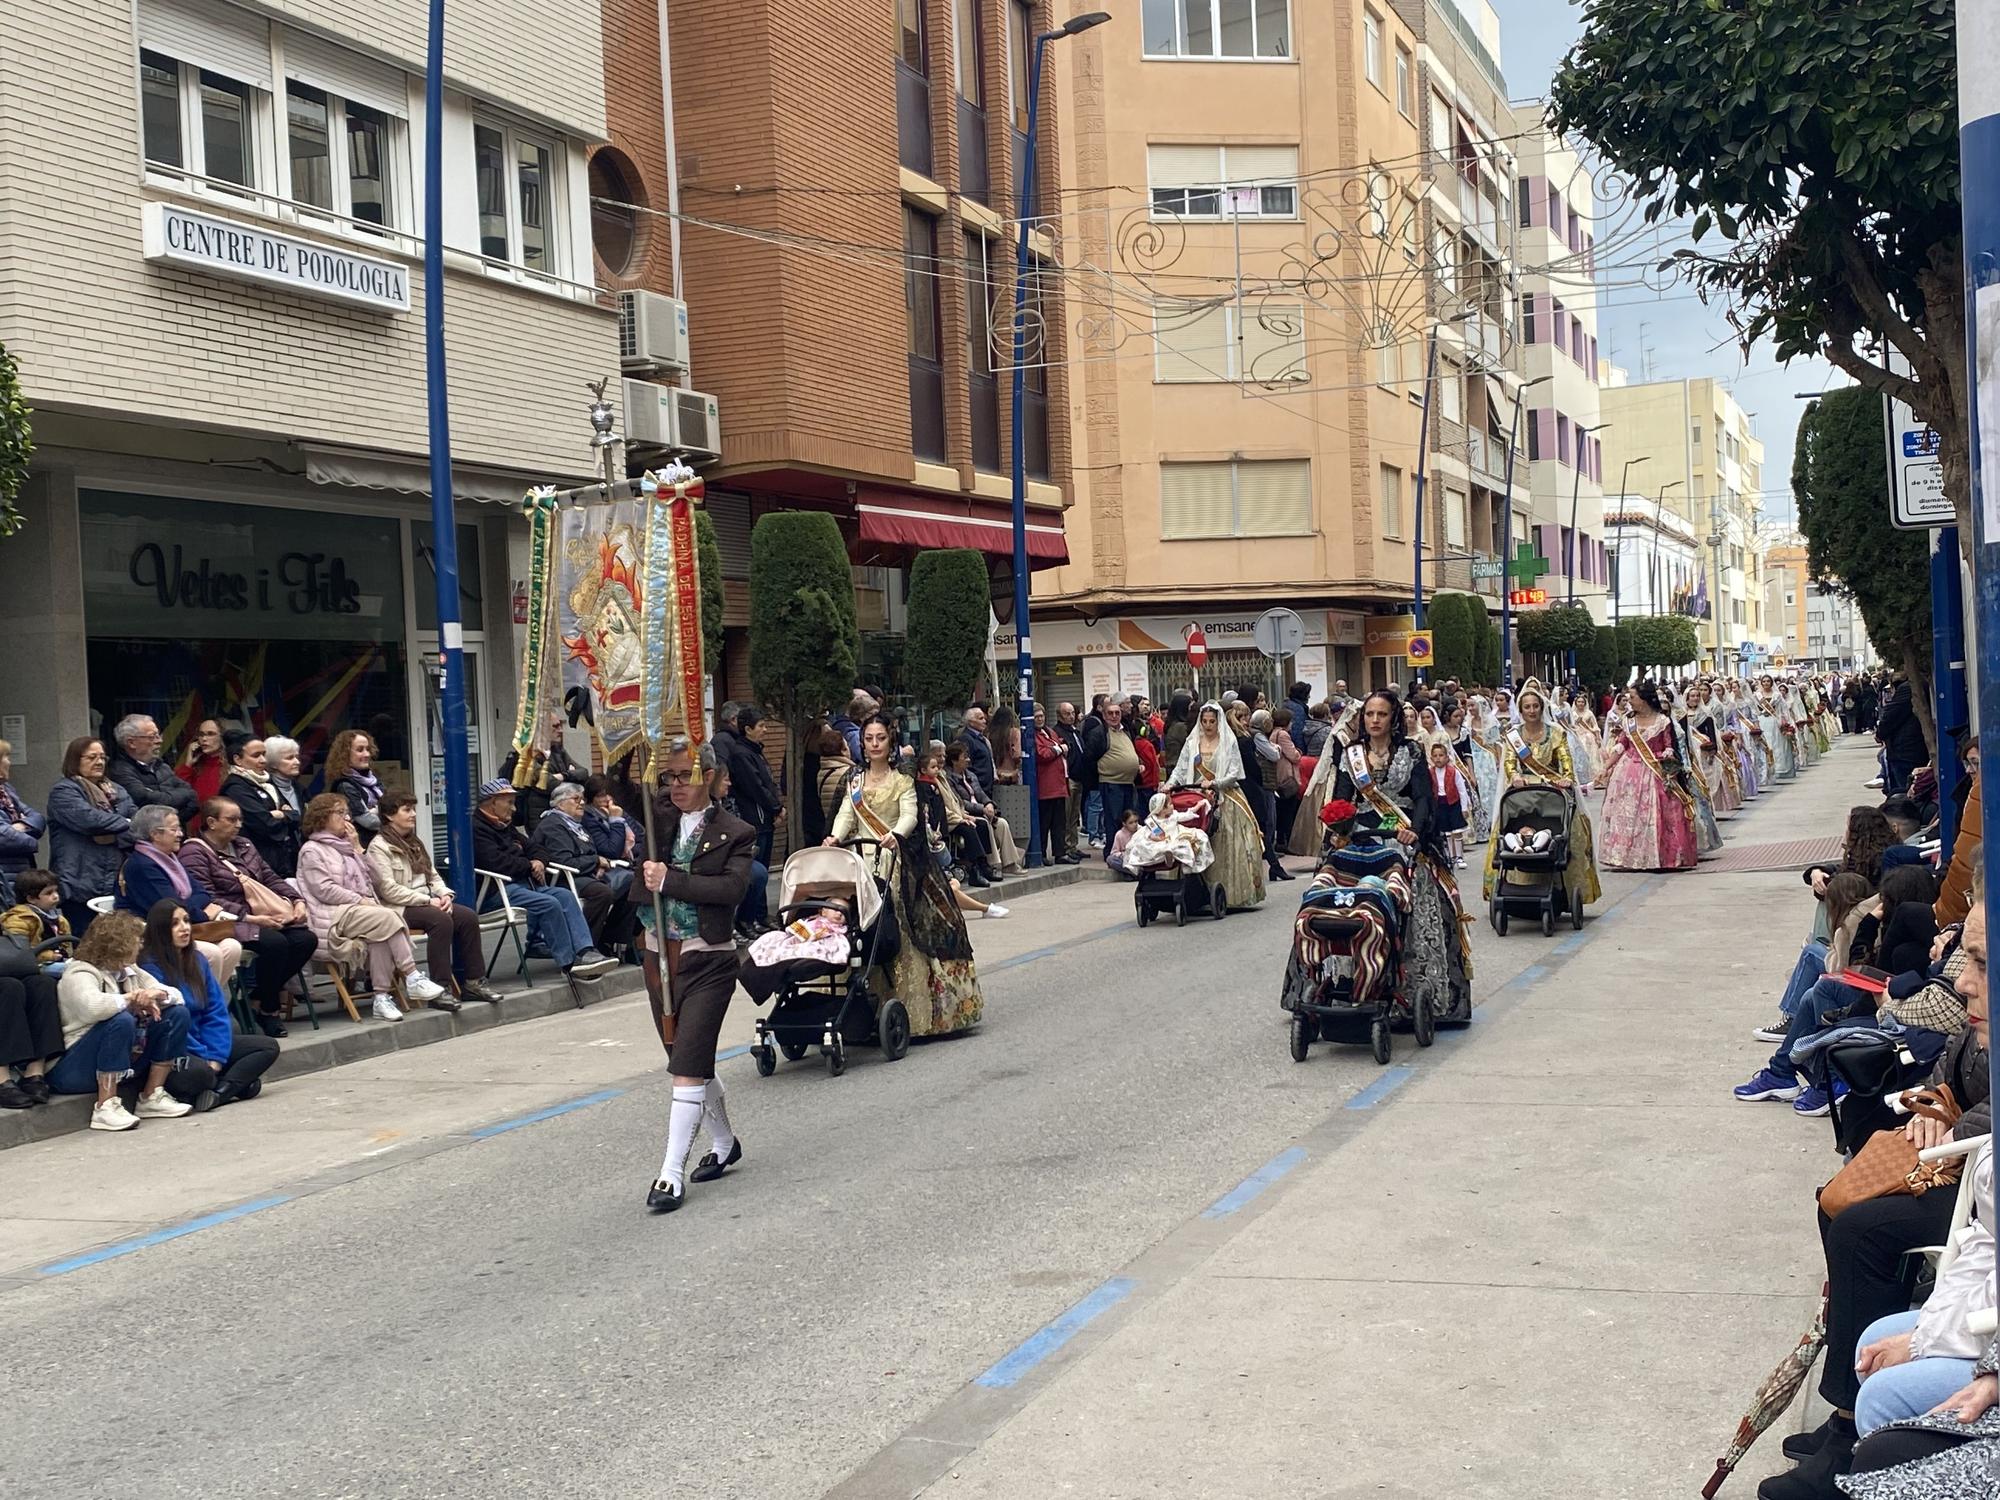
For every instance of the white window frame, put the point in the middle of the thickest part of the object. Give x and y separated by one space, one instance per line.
512 137
1181 54
1233 322
192 174
1406 85
1231 194
1392 516
397 201
1371 49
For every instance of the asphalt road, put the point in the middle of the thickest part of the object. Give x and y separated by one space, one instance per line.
504 1319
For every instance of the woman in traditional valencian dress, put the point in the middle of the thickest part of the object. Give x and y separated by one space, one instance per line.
1383 774
1537 753
1718 764
1707 832
1485 727
933 973
1212 763
1737 741
1647 822
1779 732
1586 740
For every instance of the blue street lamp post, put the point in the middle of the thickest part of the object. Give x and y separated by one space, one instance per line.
1507 536
1024 666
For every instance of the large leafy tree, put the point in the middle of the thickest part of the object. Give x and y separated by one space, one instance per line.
16 443
804 642
1842 486
1820 142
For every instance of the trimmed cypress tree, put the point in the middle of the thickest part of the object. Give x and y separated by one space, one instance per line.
950 596
804 643
708 558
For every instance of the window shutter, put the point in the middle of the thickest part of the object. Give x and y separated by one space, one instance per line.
1190 342
1273 164
1183 166
1274 497
316 61
1274 342
218 37
1194 501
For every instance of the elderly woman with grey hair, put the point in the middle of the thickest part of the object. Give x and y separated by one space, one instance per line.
559 838
154 873
1260 782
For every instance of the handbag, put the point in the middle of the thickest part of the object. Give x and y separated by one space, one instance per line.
17 957
263 901
1888 1166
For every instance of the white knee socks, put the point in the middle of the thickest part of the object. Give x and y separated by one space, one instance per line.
715 1115
682 1121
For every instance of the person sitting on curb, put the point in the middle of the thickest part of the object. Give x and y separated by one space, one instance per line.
555 920
105 999
221 1066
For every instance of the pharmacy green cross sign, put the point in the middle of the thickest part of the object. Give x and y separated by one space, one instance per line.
1527 566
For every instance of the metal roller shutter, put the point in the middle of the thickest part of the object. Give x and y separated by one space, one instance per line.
210 35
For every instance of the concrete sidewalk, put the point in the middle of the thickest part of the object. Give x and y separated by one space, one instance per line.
1552 1258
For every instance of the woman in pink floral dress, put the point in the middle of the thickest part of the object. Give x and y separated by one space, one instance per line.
1648 817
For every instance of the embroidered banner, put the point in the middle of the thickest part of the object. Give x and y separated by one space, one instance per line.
538 679
603 640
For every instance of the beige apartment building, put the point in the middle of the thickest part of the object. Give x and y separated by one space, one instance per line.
1703 455
210 274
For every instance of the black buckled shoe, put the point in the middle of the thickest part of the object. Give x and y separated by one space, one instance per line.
663 1197
708 1168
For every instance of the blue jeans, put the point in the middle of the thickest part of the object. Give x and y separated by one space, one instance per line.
1907 1390
1093 816
1810 967
1117 798
107 1048
755 906
554 919
1824 1002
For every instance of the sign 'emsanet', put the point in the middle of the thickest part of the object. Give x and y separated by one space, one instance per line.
224 247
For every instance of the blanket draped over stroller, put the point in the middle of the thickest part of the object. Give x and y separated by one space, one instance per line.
1367 883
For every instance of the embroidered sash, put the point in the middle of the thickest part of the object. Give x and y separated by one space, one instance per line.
1370 791
1652 763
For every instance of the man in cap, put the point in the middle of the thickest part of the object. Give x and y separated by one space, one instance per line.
554 918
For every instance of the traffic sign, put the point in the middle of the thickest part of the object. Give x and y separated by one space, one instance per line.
1279 633
1419 648
1917 500
1197 647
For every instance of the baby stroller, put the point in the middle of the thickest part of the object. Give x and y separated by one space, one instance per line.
1343 982
835 924
1532 878
1176 888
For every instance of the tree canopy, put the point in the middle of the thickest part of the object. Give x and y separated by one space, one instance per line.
1842 484
804 643
1663 641
16 443
1821 144
708 559
948 607
1457 645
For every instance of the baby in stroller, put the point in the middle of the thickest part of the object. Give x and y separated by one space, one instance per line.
1175 832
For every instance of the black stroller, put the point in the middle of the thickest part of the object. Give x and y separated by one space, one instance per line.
1532 878
1177 889
1344 979
821 999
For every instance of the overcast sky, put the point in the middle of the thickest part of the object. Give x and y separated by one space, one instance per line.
1682 336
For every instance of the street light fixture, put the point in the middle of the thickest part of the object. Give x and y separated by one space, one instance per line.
1622 478
1507 536
1575 494
1659 526
1423 462
1024 198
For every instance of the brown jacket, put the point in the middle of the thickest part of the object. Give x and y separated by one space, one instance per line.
717 875
1955 897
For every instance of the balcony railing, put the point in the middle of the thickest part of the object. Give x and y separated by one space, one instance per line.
913 118
927 408
972 175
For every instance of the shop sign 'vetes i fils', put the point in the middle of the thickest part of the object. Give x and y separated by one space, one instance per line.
307 583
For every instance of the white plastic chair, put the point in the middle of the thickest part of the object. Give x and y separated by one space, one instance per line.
101 905
1972 1149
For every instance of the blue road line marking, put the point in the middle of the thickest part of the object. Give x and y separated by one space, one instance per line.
729 1052
161 1236
1248 1189
1391 1080
1571 943
1051 1338
1533 974
1051 951
484 1131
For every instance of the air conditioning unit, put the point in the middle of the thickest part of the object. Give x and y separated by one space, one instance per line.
697 424
649 414
652 332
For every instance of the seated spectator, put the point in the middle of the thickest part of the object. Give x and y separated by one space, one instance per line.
270 812
1120 841
36 916
21 827
406 879
344 914
153 872
137 767
270 913
1866 1244
219 1066
612 834
105 1000
1954 898
287 767
348 775
204 765
1906 823
90 828
30 1025
555 920
996 838
561 839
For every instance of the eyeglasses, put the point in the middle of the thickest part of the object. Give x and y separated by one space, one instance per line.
677 778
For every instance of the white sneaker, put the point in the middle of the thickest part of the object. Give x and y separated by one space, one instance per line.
111 1114
994 910
422 988
385 1009
161 1105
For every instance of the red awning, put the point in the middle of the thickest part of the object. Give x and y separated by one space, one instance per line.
920 521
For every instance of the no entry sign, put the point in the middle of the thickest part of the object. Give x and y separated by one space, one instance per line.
1197 647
